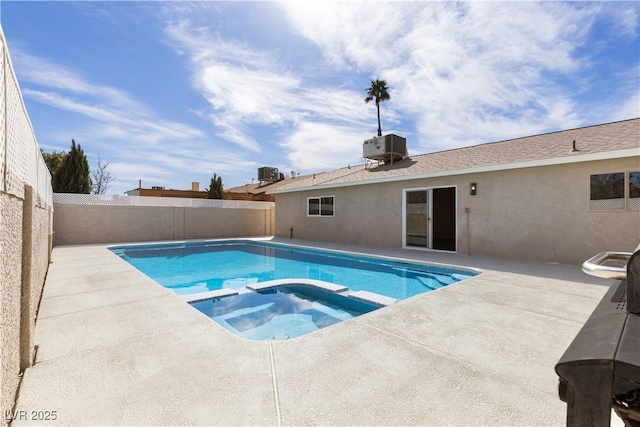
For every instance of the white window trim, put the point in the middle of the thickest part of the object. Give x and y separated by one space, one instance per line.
319 215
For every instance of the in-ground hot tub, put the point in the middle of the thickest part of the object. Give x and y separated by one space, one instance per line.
282 312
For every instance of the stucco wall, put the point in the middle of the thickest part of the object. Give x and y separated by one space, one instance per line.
367 214
11 268
78 224
36 257
543 214
537 213
24 260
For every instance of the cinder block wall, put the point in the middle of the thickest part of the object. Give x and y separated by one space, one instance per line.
84 224
25 233
10 296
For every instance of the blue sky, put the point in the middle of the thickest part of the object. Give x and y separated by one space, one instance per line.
171 92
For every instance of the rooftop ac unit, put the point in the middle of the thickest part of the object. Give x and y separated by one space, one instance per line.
268 174
385 148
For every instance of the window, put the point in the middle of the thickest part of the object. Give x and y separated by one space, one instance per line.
607 191
634 191
320 206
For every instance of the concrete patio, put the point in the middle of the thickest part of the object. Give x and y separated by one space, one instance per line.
115 348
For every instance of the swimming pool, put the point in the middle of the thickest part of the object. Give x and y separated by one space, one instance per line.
196 267
267 291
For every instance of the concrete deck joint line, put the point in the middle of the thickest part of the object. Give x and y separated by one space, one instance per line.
89 310
89 291
98 348
534 312
466 362
276 398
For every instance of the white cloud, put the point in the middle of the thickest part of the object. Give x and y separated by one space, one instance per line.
460 73
135 126
116 126
251 94
246 87
623 15
68 90
630 109
128 173
465 72
43 72
320 146
352 33
242 86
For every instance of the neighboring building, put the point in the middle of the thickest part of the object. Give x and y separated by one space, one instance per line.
258 192
194 193
254 192
558 197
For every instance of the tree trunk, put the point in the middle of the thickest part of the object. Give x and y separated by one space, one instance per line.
379 126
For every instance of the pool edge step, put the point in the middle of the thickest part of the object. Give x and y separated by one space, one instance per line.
203 296
372 298
327 286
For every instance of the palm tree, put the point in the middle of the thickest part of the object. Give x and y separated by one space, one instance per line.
380 92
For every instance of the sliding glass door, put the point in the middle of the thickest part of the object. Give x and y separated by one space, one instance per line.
417 218
430 218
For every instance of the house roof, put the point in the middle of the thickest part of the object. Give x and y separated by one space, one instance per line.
258 188
605 141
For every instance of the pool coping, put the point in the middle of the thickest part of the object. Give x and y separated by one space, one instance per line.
490 341
313 283
371 298
204 296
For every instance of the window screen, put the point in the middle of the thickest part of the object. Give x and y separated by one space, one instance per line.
607 191
634 191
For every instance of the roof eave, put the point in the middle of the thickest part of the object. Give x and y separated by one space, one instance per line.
576 158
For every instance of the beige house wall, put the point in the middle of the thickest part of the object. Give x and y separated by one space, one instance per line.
539 213
82 224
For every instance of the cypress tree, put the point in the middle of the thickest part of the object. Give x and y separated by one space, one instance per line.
215 190
73 174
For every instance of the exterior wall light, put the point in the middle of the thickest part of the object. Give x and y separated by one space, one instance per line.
474 189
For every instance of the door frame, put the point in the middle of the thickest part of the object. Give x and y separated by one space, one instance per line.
428 189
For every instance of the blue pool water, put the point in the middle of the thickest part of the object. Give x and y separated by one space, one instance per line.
190 268
282 313
289 310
